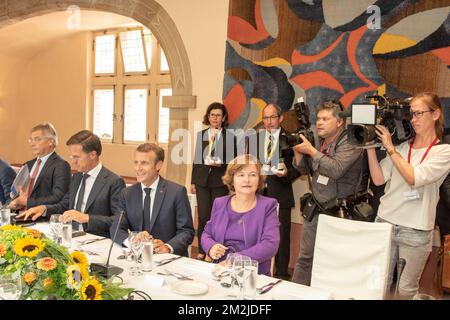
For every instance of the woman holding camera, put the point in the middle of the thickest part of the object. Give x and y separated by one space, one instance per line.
413 172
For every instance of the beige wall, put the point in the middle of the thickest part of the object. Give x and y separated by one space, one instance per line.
53 84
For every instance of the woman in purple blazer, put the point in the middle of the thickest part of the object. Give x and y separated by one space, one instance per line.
244 222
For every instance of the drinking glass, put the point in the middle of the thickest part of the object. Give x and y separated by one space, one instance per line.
67 234
10 287
136 245
56 227
147 254
5 217
229 265
249 279
423 296
238 274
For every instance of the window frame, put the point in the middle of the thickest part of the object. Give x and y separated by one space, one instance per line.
103 33
114 116
153 79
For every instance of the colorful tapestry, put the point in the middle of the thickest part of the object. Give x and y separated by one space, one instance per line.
338 63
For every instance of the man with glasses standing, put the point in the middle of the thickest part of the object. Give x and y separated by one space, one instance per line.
277 166
49 173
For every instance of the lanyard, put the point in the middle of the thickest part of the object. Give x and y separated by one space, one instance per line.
328 149
426 152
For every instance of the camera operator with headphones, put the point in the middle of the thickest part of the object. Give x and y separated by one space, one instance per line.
413 172
337 171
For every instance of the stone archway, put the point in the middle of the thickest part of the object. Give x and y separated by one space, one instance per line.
154 17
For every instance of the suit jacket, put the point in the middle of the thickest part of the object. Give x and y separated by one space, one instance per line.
7 176
261 224
279 188
102 204
171 219
52 183
211 176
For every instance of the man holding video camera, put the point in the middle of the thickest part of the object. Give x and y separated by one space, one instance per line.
337 171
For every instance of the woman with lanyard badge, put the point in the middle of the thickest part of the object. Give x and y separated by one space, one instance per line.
413 172
215 147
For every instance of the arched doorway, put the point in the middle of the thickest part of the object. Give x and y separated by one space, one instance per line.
154 17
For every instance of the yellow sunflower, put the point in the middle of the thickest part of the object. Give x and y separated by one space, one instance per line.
28 247
47 283
2 249
33 232
91 290
10 227
80 259
76 275
29 277
46 264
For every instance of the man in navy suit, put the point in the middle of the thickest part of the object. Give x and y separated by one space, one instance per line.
7 176
155 206
93 197
49 173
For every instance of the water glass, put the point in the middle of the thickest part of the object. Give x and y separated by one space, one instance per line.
147 254
423 296
249 279
67 234
5 217
56 227
136 245
237 277
10 287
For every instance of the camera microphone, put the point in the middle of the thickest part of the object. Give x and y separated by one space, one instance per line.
375 96
345 114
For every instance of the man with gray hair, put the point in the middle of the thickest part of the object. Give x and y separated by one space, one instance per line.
337 169
49 173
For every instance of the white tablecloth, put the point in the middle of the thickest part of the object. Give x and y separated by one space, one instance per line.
198 270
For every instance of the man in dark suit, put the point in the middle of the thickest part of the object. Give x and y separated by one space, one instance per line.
49 173
155 206
93 197
7 176
267 145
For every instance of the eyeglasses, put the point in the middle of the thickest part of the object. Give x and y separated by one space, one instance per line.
270 118
418 114
36 140
215 115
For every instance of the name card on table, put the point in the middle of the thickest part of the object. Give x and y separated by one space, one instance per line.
153 281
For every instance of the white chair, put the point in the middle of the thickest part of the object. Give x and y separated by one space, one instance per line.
351 258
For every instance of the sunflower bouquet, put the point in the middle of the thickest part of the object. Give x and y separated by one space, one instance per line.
48 271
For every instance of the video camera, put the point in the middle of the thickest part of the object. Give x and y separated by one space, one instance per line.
304 126
393 114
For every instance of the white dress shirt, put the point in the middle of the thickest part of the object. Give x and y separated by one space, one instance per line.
88 186
43 161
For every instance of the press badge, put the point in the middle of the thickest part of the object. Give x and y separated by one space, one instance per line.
266 168
413 194
322 180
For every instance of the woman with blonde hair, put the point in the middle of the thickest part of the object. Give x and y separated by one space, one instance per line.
245 221
413 172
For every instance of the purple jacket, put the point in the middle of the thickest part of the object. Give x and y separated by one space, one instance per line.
261 229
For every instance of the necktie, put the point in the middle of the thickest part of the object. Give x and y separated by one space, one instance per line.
33 177
146 212
212 146
269 147
79 203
